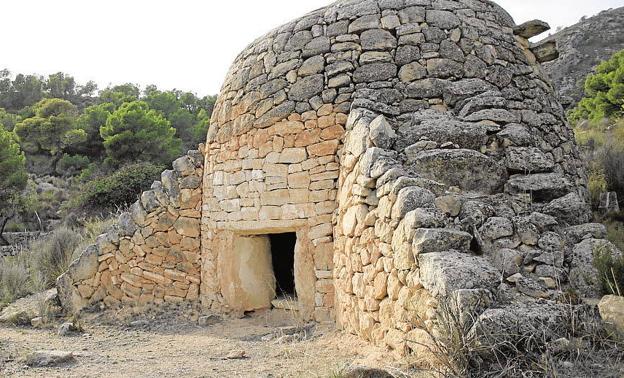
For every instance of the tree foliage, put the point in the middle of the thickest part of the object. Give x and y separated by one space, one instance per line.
604 92
13 177
19 92
51 129
8 120
91 121
134 132
120 94
13 174
599 126
65 128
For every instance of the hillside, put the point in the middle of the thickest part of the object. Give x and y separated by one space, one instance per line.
582 47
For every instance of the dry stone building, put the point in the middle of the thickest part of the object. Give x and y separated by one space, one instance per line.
369 160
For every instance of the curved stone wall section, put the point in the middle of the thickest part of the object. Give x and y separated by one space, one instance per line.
459 174
152 254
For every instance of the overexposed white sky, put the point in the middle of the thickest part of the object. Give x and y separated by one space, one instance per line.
183 44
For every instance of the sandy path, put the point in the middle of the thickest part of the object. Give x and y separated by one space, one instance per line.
187 350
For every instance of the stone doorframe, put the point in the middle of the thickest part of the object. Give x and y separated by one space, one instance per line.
229 262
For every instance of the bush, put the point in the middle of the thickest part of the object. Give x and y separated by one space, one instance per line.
52 255
610 271
118 189
14 280
613 161
597 184
70 164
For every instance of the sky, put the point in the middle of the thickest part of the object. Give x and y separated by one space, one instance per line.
182 44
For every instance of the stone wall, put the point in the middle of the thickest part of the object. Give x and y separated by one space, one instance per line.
281 177
152 255
18 241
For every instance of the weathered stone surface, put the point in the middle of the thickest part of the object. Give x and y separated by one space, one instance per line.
528 159
444 68
586 231
381 133
412 71
442 19
496 228
377 39
374 72
426 88
442 273
611 309
584 277
520 320
307 87
466 169
47 358
409 199
443 129
541 186
428 240
531 29
507 261
255 287
569 209
311 66
545 51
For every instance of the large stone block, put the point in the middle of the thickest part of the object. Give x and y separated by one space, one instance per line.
442 273
246 273
428 240
466 169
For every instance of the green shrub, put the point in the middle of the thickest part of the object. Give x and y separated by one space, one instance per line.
134 132
70 164
118 189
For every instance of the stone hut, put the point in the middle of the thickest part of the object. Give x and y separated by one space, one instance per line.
367 162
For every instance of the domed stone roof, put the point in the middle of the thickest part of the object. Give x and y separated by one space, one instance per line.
456 162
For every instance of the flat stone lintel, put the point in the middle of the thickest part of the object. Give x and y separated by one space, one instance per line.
263 227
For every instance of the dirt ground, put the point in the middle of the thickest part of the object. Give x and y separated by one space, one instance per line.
272 343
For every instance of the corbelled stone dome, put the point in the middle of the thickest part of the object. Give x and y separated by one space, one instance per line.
456 164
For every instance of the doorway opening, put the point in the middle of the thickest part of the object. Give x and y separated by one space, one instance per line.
283 259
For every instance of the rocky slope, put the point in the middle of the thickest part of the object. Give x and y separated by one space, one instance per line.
582 47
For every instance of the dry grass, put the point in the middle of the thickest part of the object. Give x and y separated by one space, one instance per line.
14 280
36 268
582 347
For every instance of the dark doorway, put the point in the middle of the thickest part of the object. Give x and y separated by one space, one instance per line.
283 257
